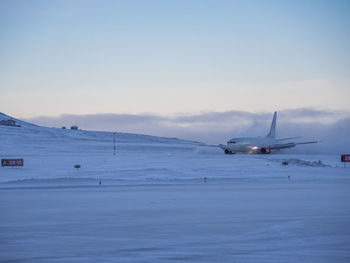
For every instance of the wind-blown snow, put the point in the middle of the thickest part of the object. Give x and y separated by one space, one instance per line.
150 202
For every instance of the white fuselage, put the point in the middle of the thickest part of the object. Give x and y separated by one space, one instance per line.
249 144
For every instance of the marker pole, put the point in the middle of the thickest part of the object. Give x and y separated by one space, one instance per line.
114 142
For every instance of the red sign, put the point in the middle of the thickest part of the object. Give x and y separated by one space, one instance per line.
11 162
345 158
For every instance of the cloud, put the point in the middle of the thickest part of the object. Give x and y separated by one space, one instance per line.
332 128
312 116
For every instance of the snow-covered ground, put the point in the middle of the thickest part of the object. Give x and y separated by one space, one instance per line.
166 200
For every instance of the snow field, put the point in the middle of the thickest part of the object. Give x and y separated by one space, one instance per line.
153 204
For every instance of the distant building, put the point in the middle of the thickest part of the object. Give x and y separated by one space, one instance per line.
9 123
74 127
63 128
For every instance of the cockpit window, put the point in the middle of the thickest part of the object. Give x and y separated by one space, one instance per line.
231 142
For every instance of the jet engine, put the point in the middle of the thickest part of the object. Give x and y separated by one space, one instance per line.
265 150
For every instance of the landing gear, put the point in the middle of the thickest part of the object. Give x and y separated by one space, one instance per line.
228 152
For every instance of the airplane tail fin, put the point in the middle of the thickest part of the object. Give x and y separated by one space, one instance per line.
272 132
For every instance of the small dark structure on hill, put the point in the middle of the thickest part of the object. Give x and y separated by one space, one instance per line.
74 127
9 123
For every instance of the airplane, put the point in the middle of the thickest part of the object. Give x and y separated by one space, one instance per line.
262 145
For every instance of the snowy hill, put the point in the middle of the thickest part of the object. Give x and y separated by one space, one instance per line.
50 153
32 139
19 122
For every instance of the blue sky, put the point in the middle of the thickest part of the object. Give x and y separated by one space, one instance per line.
171 57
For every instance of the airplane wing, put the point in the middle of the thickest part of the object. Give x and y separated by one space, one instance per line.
288 145
290 138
